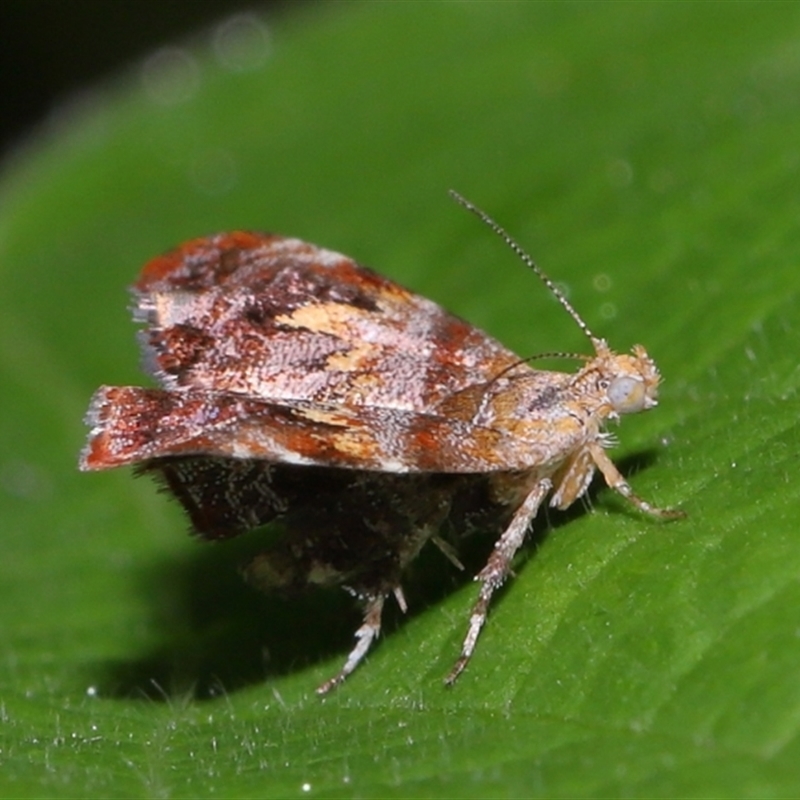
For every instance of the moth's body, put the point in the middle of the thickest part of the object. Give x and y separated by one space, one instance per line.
301 386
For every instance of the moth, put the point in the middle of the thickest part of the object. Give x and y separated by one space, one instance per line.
297 385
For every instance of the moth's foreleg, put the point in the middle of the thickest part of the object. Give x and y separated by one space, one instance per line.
615 480
365 636
497 569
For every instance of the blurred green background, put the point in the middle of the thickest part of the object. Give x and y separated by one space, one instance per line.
647 155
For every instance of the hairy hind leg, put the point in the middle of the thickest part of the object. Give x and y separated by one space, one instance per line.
497 568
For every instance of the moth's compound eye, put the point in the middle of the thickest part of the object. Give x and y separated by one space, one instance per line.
627 395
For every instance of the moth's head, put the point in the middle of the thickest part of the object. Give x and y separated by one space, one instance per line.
630 381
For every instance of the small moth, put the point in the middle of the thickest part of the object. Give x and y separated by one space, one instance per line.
299 385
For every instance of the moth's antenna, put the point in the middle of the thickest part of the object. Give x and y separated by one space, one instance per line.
511 367
559 355
506 237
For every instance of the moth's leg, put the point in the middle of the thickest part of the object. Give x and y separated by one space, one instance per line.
497 569
572 480
448 551
365 636
615 480
400 596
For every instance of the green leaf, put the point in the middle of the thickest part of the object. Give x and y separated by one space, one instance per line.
647 155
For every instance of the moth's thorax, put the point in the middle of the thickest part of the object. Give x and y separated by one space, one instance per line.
529 393
609 384
555 412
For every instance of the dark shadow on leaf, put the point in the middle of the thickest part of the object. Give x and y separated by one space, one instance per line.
219 634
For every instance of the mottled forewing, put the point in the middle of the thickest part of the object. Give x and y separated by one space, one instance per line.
131 425
276 318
